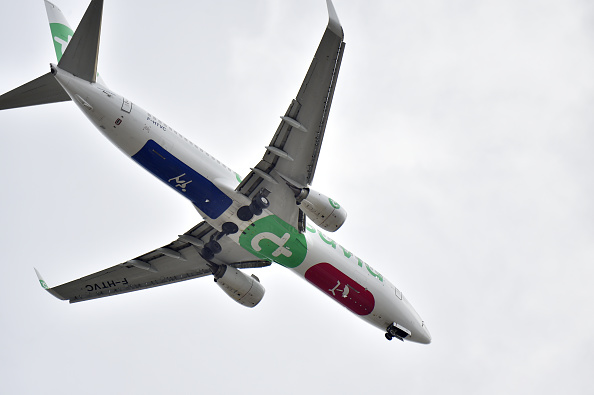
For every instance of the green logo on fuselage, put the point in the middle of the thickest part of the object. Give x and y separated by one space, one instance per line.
272 238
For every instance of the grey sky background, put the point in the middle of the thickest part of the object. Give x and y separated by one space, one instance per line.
459 141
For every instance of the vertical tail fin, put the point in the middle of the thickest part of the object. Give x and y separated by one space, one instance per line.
81 53
61 30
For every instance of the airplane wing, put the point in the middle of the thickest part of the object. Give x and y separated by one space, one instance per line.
177 261
292 155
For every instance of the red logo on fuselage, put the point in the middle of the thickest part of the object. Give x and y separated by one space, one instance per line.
341 288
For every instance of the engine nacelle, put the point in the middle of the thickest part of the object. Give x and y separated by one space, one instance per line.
323 211
245 290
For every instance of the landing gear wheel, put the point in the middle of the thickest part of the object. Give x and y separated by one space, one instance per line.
261 201
245 213
214 246
230 228
207 254
255 208
388 336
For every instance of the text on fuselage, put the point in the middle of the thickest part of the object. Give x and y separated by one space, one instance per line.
346 253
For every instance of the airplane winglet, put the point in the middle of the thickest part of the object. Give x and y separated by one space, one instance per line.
41 281
333 22
48 289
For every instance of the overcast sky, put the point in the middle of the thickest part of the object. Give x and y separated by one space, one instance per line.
459 141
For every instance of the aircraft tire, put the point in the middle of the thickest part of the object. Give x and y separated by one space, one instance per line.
214 246
245 213
255 209
261 201
206 253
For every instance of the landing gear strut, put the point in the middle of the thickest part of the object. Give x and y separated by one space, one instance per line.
397 331
259 203
213 246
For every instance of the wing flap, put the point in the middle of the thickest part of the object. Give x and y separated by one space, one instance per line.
292 155
310 109
175 262
126 277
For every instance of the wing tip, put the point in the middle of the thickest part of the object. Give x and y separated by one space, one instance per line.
41 281
333 21
48 289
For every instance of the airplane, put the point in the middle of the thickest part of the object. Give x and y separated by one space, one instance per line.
253 222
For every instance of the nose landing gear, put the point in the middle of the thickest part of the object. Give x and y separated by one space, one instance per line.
397 331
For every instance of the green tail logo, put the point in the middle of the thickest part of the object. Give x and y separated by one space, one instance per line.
61 35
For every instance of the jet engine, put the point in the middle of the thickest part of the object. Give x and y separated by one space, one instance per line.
322 210
245 290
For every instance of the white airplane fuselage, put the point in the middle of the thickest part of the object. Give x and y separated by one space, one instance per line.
210 186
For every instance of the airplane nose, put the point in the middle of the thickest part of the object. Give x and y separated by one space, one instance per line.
424 336
420 333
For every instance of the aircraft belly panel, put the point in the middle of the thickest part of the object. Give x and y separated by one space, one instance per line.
185 180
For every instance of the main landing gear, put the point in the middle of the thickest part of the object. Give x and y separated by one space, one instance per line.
245 213
213 247
259 203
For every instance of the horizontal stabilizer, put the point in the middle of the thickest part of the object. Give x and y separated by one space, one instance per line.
42 90
80 56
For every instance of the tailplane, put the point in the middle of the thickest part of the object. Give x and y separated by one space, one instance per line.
42 90
77 53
